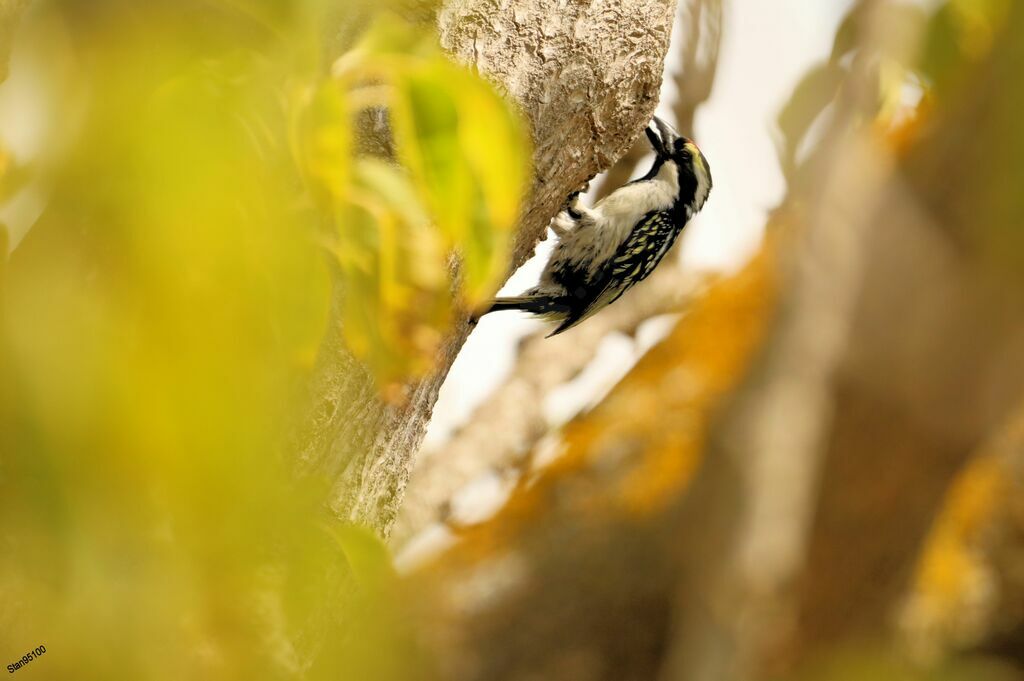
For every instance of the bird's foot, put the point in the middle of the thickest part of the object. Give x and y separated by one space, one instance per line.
572 204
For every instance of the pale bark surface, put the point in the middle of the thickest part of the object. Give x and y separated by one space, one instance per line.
587 77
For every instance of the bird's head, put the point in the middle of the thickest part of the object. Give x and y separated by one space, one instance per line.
694 173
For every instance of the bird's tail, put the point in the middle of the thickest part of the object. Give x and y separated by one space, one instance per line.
535 304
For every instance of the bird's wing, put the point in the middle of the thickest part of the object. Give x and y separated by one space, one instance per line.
635 258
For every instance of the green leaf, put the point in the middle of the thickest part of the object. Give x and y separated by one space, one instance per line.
461 172
468 149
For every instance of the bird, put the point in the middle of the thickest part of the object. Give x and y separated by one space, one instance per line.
604 251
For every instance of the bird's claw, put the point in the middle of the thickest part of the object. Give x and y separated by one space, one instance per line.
583 189
573 199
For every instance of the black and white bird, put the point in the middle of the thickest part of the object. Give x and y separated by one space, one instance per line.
605 250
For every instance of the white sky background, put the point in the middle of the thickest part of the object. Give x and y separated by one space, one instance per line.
767 46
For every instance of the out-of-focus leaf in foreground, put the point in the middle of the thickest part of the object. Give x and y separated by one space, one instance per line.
976 75
157 324
454 189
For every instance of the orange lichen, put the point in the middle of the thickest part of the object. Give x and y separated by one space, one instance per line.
953 566
971 504
681 383
902 132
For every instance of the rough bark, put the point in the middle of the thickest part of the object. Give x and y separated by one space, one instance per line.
587 77
700 22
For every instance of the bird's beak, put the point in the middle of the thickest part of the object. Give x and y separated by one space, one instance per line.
662 137
667 133
655 139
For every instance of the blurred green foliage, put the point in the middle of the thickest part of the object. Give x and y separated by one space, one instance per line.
961 33
462 170
888 69
973 58
158 324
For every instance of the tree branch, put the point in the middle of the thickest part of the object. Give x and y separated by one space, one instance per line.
508 425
